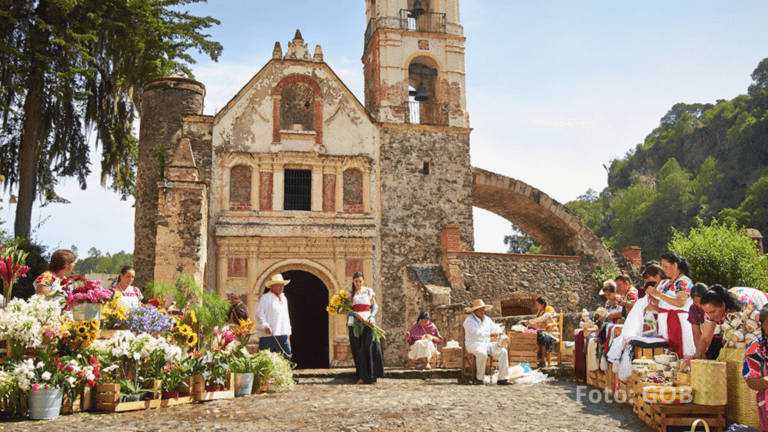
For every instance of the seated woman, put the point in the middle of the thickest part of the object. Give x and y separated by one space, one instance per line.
717 303
424 339
130 296
612 307
755 370
547 326
62 262
673 299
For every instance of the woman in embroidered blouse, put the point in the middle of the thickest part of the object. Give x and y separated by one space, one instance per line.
366 354
612 306
62 262
755 370
424 339
547 326
130 296
717 303
674 300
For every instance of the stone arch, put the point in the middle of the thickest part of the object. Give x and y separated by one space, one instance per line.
557 229
313 268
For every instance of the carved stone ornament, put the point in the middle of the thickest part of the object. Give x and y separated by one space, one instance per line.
297 49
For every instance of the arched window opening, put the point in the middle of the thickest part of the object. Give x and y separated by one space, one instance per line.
297 107
424 105
240 188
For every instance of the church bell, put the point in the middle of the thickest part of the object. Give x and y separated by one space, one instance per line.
421 93
418 8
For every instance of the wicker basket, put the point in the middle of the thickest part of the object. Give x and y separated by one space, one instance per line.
709 382
742 404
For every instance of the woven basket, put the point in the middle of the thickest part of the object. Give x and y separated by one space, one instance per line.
742 404
709 382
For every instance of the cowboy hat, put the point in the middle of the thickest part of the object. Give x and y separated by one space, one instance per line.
477 304
277 279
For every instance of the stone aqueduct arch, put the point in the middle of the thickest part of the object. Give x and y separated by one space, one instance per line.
557 229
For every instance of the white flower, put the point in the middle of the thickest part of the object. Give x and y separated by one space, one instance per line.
72 381
40 365
46 376
30 375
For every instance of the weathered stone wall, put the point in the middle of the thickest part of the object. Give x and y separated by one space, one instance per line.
164 104
564 281
416 206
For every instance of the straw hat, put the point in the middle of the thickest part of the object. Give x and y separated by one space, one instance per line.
477 304
277 279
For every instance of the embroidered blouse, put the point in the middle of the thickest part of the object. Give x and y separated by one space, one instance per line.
362 297
131 297
417 332
748 297
551 325
754 358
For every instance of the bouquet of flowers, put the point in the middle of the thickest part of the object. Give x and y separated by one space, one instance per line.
274 366
225 340
183 330
79 289
174 375
28 324
11 268
112 312
340 304
147 319
79 334
244 331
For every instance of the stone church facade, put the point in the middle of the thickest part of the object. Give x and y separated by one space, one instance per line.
295 176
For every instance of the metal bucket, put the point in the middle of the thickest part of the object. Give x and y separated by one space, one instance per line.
243 384
45 404
86 311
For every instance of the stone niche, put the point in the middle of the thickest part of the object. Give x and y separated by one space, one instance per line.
517 303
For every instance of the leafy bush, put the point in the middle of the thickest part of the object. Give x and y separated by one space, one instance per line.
602 274
722 254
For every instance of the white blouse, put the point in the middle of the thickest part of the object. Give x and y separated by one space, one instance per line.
363 296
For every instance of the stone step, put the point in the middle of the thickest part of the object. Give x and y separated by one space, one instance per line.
399 373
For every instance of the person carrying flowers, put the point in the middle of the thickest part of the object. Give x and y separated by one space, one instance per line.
366 352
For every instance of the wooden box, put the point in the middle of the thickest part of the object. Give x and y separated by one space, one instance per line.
522 348
648 353
601 379
452 358
108 399
199 393
432 362
665 416
592 378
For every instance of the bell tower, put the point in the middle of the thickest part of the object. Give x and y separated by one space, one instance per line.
414 62
415 92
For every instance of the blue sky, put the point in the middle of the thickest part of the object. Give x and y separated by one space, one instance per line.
555 89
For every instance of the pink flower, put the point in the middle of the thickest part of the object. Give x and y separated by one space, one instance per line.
70 369
35 386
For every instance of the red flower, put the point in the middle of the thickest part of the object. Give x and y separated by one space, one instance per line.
58 365
92 360
91 383
70 369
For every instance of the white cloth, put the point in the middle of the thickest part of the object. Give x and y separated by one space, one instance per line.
689 345
363 296
477 339
272 314
422 349
757 297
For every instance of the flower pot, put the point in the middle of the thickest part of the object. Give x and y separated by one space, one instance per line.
130 398
45 404
86 311
170 395
214 388
243 384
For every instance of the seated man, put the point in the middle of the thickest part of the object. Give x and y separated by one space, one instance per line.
424 339
478 330
238 311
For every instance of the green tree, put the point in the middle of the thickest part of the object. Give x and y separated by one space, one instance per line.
67 67
520 242
760 78
722 254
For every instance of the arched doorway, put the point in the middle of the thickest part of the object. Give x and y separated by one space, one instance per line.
307 298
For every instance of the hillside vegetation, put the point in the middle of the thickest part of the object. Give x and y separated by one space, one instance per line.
703 161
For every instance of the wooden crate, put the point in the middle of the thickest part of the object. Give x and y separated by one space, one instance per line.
592 378
522 348
452 358
199 393
181 400
665 416
108 399
601 379
432 362
648 353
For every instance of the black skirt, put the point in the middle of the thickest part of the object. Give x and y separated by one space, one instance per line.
544 340
367 355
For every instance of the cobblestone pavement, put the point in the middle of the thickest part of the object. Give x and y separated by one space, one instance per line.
319 404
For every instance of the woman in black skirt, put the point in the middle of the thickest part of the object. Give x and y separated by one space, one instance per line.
365 352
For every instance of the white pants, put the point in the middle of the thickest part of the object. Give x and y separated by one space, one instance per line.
422 349
481 356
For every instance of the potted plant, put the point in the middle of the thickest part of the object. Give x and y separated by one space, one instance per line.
113 311
245 367
147 319
12 260
85 297
214 370
30 323
274 368
174 377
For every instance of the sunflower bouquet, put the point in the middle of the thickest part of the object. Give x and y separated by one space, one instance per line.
183 331
79 334
340 304
112 312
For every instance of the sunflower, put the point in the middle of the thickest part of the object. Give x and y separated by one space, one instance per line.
185 330
163 311
192 316
331 310
83 328
344 294
176 323
94 322
335 301
192 340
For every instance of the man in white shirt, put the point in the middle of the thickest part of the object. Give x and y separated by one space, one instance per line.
478 330
273 325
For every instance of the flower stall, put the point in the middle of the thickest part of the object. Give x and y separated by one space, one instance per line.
174 350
